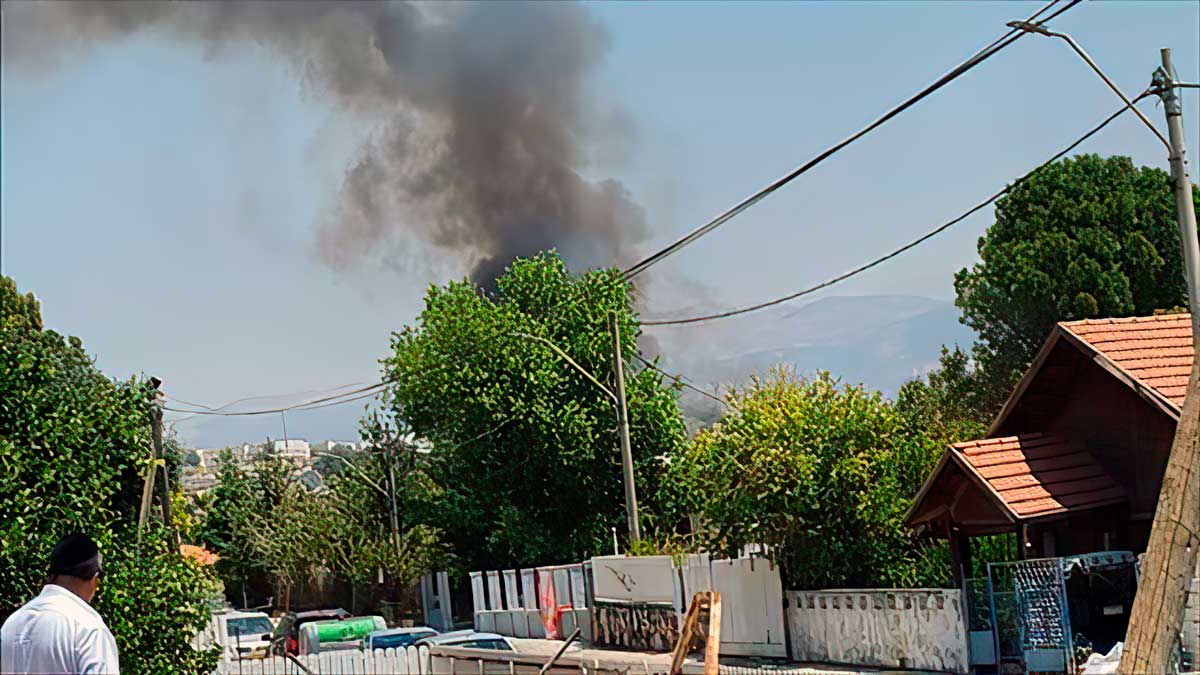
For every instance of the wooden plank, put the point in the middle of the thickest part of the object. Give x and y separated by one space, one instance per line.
712 646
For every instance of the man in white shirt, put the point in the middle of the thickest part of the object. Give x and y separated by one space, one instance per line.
58 632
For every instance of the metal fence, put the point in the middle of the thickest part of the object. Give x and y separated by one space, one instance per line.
1029 610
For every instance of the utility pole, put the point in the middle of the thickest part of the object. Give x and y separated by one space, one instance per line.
391 460
1181 185
631 509
156 437
1170 559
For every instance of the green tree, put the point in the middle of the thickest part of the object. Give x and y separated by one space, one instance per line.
948 404
356 526
819 472
1082 238
268 529
525 455
73 447
232 503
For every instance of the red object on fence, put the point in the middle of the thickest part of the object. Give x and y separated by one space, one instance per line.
547 605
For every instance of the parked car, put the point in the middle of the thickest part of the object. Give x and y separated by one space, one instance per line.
397 638
287 633
336 634
469 639
239 634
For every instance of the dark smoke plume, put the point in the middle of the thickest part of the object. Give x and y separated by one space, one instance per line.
487 118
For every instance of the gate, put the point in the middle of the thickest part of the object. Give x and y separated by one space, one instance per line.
1030 616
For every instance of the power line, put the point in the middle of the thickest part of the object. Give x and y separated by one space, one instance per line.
360 397
979 57
928 235
683 381
306 405
257 398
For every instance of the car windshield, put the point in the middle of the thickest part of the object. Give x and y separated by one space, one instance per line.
401 640
249 625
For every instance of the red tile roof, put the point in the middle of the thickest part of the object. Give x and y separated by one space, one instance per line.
1155 350
1039 474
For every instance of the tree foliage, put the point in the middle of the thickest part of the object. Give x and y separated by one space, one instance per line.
821 473
266 526
1082 238
525 461
947 405
73 447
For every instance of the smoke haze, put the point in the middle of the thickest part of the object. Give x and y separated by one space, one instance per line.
484 124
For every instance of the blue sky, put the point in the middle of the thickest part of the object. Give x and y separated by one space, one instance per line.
161 201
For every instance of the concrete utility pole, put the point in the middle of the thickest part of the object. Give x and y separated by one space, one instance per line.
1181 184
1170 559
391 460
631 509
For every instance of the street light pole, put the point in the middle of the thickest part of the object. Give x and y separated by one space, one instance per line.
618 399
631 508
1181 184
1171 552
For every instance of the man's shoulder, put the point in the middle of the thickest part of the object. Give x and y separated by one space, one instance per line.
65 607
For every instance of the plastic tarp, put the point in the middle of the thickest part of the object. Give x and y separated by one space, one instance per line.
1103 664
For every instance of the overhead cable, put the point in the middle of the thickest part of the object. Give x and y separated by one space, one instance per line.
925 237
979 57
683 381
305 405
265 396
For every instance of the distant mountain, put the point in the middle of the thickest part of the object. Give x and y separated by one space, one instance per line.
881 341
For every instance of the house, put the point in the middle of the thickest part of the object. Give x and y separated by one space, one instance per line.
295 448
1074 461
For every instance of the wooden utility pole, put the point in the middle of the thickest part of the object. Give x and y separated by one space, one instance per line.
160 459
1170 559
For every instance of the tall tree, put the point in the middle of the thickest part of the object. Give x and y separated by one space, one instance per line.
525 451
1082 238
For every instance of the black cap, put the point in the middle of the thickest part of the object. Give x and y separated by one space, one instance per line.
75 555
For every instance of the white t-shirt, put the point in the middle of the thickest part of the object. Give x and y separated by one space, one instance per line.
57 632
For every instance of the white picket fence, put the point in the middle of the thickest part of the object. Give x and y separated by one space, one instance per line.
403 661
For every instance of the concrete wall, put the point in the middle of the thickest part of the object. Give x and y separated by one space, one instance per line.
920 629
643 579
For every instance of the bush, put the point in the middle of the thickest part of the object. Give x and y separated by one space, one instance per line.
818 472
152 599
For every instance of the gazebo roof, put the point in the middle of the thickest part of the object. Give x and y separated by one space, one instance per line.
1024 477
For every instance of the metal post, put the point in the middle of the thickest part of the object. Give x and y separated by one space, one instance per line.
631 509
1181 185
392 490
